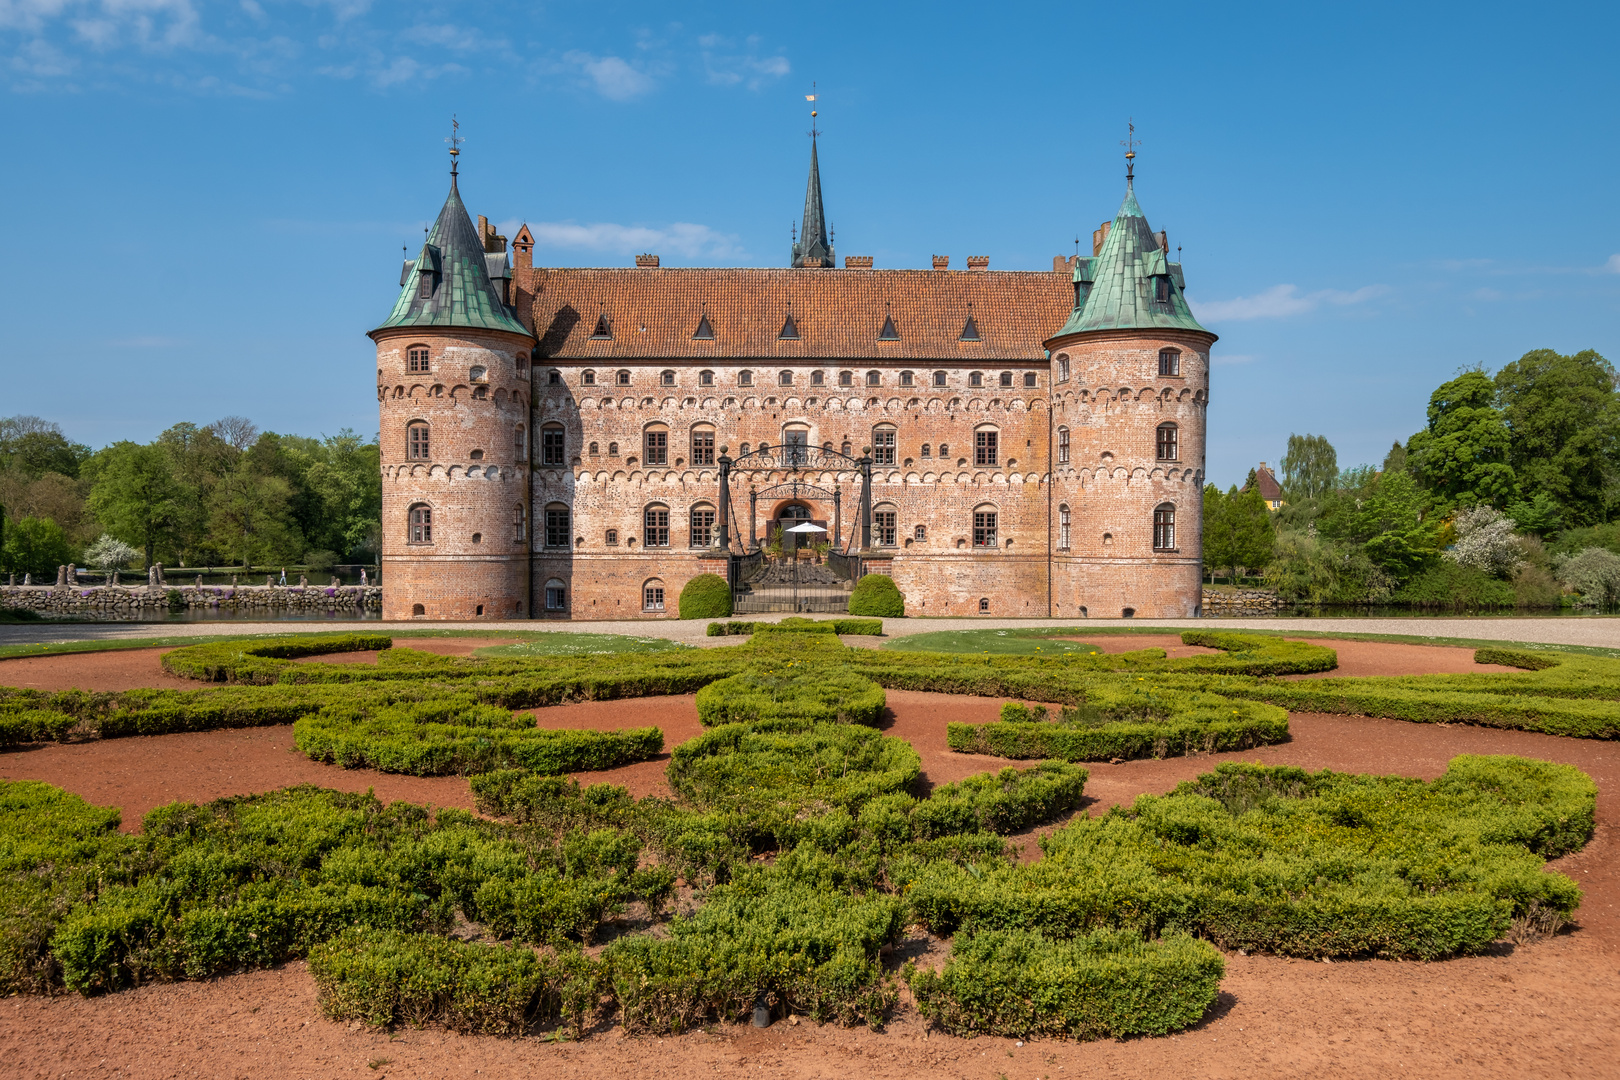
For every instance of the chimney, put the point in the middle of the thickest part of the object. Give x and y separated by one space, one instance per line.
647 262
978 262
942 262
857 262
523 249
1062 264
1099 237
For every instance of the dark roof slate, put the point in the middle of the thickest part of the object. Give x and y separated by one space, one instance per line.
463 295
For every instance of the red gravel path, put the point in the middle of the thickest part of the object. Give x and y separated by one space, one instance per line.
1550 1009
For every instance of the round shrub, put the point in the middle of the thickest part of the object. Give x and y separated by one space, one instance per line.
706 596
876 595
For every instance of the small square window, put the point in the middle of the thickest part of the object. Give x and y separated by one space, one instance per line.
906 378
939 378
846 378
623 378
1029 378
666 378
554 378
976 379
745 378
1006 378
817 378
652 598
613 538
556 598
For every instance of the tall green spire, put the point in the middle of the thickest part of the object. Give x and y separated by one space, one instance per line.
1130 284
452 270
813 241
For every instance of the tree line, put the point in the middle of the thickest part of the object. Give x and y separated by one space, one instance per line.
1508 496
222 494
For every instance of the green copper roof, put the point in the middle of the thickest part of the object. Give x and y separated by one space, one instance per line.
1116 290
453 258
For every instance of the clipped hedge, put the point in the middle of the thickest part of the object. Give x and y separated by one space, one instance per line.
243 662
706 596
1284 861
1102 985
796 625
791 693
1125 721
384 977
1003 802
455 738
19 724
878 596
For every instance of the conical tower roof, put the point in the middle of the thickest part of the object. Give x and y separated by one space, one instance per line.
1116 288
813 241
462 294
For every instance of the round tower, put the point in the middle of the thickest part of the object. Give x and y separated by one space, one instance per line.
453 392
1130 380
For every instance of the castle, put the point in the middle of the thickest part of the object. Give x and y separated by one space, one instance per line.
579 443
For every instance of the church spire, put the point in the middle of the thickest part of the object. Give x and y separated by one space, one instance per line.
813 243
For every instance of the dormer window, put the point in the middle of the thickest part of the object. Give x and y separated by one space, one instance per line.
790 330
888 333
604 330
705 330
970 330
1161 289
424 288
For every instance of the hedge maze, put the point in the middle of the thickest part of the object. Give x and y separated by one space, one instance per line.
798 844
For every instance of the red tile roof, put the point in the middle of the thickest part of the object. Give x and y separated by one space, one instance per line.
839 313
1266 482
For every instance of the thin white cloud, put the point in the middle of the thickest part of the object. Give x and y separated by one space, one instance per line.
1613 265
724 64
680 238
1282 301
610 76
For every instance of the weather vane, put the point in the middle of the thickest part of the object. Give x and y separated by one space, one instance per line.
1130 143
811 98
455 140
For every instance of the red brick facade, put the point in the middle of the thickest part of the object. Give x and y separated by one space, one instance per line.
575 474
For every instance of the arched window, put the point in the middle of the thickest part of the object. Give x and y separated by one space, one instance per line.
1164 527
666 378
1063 528
587 378
976 378
655 526
420 528
745 378
655 445
784 378
703 446
874 378
818 378
520 523
622 378
477 455
984 527
743 449
480 393
884 445
846 378
795 446
907 378
613 449
702 526
927 451
556 595
1063 367
553 445
846 448
418 609
612 538
1006 378
557 525
944 450
1170 362
984 605
1063 446
520 443
1169 442
416 360
596 448
652 595
884 533
939 378
986 447
416 441
705 378
477 373
920 532
522 361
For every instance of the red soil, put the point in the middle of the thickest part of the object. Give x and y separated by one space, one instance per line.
1552 1008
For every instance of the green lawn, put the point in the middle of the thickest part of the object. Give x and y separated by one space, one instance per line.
1022 642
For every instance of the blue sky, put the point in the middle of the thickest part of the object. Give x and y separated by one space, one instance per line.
207 200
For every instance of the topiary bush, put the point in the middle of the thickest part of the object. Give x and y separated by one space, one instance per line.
706 596
877 595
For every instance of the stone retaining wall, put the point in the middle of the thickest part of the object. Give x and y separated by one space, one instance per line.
1241 602
132 600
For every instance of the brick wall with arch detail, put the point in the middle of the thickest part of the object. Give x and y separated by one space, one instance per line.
454 418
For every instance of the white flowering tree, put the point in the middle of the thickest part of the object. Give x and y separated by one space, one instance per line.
1485 541
108 554
1595 574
